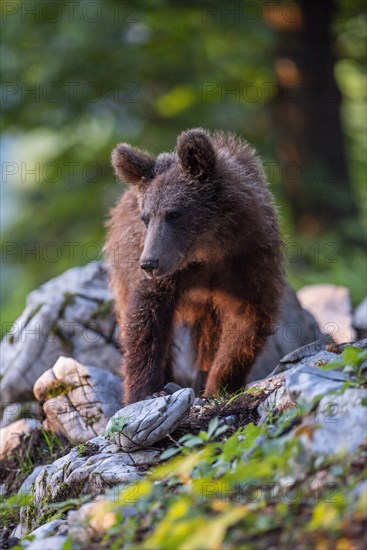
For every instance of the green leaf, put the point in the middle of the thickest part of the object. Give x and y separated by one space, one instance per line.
354 355
171 451
194 441
69 544
185 438
213 425
211 534
325 516
221 430
117 425
334 364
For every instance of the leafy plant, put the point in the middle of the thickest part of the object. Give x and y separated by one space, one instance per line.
188 441
353 361
117 425
254 488
9 507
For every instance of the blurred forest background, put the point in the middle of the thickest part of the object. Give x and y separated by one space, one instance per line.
78 77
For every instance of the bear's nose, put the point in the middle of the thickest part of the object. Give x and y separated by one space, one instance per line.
149 265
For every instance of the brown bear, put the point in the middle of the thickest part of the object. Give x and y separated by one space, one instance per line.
195 239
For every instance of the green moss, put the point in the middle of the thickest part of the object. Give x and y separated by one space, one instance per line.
69 300
56 331
9 511
49 515
104 309
59 388
69 491
34 311
94 418
87 449
30 517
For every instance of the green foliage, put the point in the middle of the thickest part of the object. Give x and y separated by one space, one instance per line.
254 486
188 441
59 388
87 449
117 425
69 504
10 507
352 361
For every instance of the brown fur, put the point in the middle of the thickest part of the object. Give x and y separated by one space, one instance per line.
213 237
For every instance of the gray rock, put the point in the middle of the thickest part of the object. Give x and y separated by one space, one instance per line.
277 402
362 343
171 388
269 384
331 306
338 426
76 475
295 328
183 356
313 354
309 350
305 383
273 388
89 469
146 422
135 458
70 315
50 543
78 400
55 527
229 420
18 533
27 486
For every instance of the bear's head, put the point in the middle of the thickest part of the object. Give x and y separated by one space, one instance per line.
178 198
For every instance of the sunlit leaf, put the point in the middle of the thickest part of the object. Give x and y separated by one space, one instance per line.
170 452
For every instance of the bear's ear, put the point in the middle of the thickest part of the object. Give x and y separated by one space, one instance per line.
132 165
196 153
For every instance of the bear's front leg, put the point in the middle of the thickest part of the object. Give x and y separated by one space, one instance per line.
241 340
147 339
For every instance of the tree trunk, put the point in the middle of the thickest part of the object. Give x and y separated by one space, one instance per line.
307 115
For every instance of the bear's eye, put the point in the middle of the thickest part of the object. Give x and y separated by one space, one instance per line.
145 219
173 215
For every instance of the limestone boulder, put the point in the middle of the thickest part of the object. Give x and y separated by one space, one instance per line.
141 424
78 400
71 315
